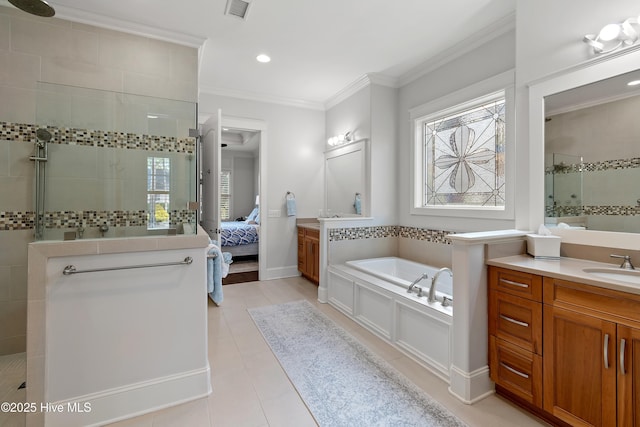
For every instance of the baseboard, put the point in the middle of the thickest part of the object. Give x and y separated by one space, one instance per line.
281 272
130 401
470 387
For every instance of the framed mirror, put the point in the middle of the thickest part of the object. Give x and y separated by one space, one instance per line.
584 150
346 180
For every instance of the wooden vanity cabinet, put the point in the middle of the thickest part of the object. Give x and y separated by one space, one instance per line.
592 354
309 253
573 354
515 333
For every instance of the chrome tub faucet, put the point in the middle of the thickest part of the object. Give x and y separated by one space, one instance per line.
432 289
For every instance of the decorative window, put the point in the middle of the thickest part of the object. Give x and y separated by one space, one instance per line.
158 191
464 156
225 195
463 152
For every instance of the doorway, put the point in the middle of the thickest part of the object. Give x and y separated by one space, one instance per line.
234 182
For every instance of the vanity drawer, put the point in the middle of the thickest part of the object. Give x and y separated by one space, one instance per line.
524 285
517 370
616 306
517 320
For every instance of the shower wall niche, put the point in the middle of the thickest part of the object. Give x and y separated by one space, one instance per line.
117 165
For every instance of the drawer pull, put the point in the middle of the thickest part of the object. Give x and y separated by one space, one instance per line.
517 322
606 351
515 371
518 284
623 344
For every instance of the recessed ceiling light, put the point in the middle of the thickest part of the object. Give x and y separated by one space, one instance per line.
633 83
263 58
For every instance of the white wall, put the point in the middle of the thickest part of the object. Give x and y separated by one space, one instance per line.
371 113
493 58
294 163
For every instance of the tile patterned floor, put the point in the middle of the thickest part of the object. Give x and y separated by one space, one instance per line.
251 389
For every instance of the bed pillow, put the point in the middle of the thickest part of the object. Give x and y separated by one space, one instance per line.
252 216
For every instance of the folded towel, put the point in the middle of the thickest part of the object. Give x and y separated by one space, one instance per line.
358 204
291 206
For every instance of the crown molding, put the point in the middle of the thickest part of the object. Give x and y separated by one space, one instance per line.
490 32
259 97
102 21
362 82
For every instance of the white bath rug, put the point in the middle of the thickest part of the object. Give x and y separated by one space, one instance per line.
341 381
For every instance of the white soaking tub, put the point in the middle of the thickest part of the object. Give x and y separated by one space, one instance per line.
373 292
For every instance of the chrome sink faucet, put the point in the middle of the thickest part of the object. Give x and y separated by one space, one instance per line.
415 282
432 289
626 264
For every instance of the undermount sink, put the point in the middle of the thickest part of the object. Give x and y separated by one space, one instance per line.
617 274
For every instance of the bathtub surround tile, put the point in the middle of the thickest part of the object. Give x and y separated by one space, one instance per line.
332 370
436 254
22 108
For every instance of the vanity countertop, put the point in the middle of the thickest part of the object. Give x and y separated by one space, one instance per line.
571 269
312 225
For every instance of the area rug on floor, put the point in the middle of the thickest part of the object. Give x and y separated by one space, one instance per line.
341 381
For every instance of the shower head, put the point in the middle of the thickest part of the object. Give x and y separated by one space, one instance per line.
34 7
43 135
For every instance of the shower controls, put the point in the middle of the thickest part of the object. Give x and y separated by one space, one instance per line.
103 229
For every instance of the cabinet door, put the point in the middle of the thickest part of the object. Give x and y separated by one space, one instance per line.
579 368
628 376
301 252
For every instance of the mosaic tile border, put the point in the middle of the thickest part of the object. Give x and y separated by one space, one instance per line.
97 138
592 210
604 165
376 232
13 221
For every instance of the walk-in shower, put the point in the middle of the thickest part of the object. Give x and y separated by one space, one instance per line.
110 164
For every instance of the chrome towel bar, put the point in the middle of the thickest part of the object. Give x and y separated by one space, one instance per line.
71 269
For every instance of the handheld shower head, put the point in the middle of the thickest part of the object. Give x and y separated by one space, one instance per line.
34 7
43 135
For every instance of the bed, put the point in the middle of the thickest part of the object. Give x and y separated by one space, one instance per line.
239 238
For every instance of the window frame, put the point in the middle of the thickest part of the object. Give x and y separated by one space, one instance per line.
151 224
466 98
229 196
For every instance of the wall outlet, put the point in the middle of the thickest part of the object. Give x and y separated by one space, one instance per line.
275 213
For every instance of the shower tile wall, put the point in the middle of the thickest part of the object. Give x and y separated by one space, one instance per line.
61 52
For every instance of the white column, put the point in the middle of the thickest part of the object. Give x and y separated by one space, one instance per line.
469 373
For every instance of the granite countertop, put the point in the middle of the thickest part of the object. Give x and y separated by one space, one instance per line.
571 269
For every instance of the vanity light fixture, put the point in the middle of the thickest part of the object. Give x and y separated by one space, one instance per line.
263 58
340 139
614 36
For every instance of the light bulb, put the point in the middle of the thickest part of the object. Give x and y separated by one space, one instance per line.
609 32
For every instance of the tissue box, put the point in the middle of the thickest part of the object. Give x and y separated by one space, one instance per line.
543 246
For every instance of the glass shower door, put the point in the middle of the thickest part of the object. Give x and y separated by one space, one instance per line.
118 164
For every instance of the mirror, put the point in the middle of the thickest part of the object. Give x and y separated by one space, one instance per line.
346 181
592 155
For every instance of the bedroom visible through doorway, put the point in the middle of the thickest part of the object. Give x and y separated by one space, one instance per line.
240 202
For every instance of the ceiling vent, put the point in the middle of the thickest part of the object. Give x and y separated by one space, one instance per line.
237 8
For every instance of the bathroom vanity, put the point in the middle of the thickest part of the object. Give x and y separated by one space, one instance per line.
564 339
309 250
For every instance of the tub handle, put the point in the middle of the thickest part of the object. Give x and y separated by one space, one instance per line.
510 282
515 371
517 322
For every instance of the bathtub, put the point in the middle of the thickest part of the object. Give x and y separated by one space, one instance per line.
373 292
402 272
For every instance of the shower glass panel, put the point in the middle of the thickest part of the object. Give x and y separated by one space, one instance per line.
564 186
118 165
